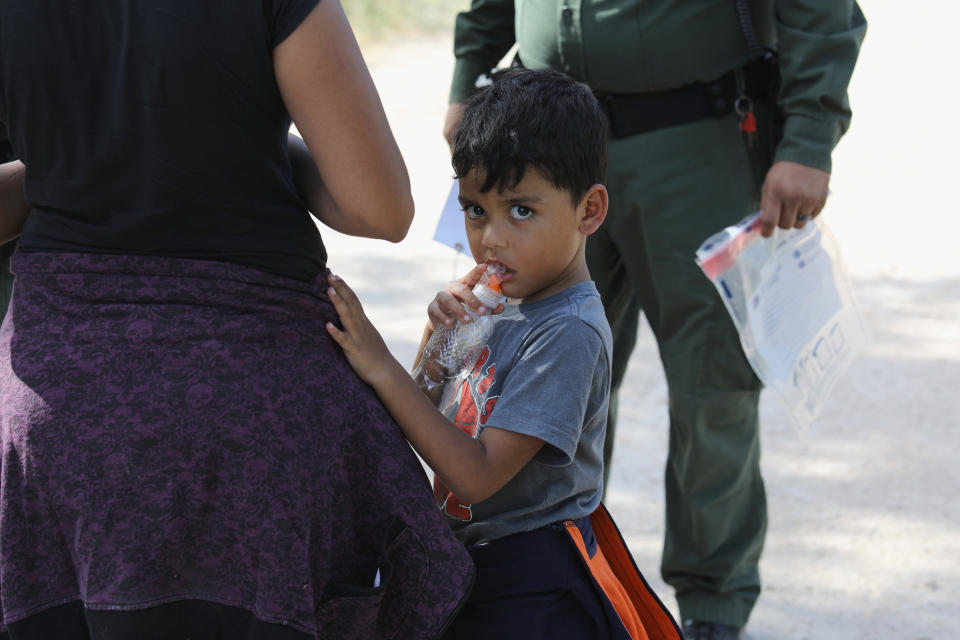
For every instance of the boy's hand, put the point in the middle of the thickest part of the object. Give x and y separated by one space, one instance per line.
361 342
447 307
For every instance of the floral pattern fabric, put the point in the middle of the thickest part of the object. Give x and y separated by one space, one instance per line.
183 429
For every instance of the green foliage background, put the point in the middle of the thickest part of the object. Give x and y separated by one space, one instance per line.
375 20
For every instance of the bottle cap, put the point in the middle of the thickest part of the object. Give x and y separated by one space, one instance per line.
488 288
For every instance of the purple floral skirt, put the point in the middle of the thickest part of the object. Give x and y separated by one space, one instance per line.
178 429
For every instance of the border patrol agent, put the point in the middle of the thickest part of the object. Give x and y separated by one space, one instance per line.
707 126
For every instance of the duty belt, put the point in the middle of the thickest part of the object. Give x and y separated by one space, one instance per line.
631 114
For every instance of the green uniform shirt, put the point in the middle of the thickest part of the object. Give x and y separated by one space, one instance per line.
638 46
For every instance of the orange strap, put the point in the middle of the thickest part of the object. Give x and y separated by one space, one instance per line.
611 586
656 618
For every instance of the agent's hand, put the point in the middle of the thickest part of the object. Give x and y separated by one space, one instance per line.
792 194
361 342
452 121
446 308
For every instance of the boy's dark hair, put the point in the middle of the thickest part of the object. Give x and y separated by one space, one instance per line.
540 119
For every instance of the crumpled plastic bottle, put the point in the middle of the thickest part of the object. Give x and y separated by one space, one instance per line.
452 348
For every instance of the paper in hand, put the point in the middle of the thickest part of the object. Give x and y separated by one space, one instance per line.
450 229
793 305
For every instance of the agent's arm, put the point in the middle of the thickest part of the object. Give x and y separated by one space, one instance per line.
482 36
818 44
13 201
326 87
473 468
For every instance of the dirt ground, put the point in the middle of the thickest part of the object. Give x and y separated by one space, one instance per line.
864 537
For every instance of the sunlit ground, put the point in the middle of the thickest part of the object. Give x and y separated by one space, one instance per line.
864 538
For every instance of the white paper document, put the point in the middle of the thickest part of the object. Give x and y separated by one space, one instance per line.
450 228
791 301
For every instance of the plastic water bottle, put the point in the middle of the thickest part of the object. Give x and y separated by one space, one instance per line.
453 348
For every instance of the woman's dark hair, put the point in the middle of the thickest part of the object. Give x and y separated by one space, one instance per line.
540 119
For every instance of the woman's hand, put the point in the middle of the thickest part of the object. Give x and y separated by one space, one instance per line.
361 342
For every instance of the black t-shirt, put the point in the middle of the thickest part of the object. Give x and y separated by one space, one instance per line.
6 151
153 127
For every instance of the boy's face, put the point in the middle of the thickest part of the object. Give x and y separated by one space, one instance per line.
533 230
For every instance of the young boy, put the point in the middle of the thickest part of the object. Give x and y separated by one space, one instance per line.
519 471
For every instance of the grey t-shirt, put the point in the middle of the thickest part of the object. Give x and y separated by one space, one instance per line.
546 373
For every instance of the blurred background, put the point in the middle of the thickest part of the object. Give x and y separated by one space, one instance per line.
864 538
378 21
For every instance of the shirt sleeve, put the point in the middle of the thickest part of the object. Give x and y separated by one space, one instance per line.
547 393
482 36
818 43
284 16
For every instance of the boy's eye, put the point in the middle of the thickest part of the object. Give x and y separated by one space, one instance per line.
520 212
473 212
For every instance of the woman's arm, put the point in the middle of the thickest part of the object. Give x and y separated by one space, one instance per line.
13 201
309 182
325 84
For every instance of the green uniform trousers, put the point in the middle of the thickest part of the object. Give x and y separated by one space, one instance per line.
670 189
